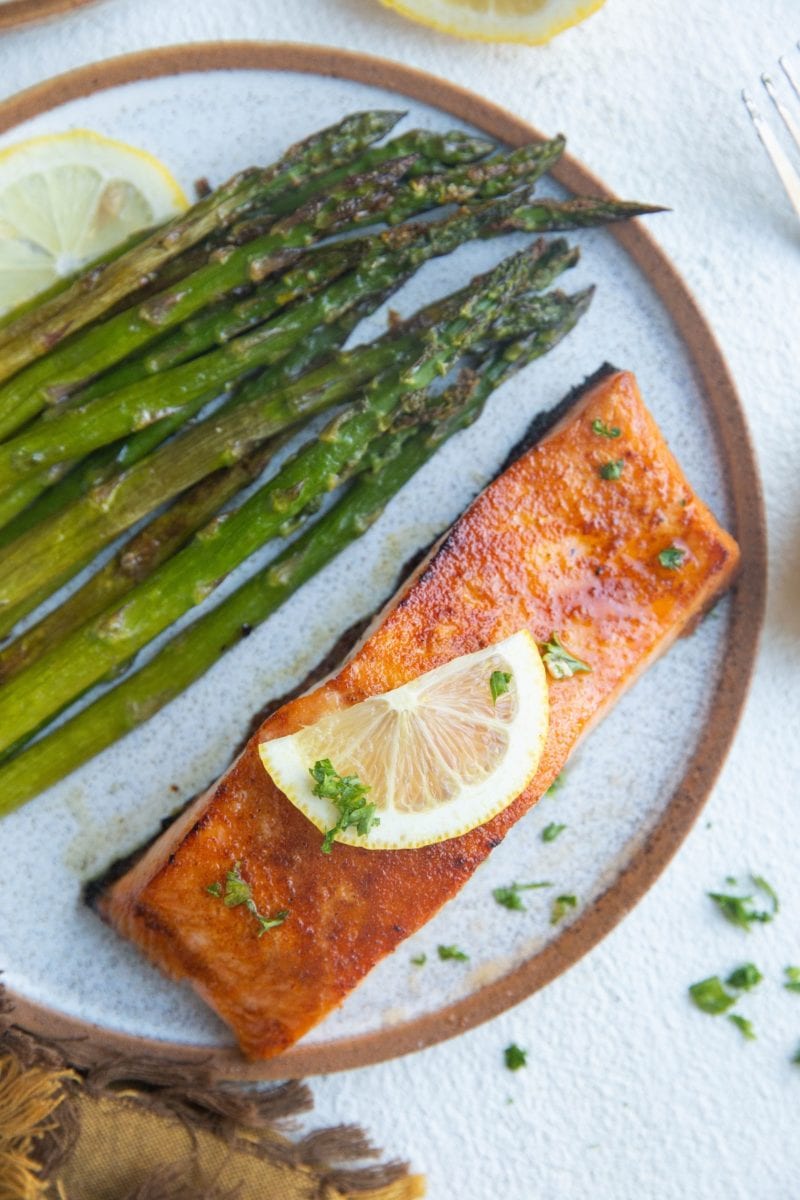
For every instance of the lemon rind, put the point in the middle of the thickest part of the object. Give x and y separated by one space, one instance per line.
471 29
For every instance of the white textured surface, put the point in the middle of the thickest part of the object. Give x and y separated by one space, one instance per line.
629 1092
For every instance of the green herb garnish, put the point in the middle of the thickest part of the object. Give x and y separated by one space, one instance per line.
273 922
453 953
744 1026
347 793
739 910
558 660
419 960
551 831
793 979
237 892
745 977
515 1057
672 557
498 682
606 431
768 890
561 906
710 996
557 783
509 896
613 469
796 1056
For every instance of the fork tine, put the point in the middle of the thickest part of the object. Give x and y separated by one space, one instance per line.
780 160
790 75
783 111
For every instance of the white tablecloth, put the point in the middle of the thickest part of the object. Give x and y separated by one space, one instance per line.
629 1092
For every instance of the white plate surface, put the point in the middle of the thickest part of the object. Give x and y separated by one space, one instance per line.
53 950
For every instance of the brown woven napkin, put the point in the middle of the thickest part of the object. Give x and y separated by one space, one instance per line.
137 1131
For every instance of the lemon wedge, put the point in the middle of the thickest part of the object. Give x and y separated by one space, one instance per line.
436 757
529 21
67 199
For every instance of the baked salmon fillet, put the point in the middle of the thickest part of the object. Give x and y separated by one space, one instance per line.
550 545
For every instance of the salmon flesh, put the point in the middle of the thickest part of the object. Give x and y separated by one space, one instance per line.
550 546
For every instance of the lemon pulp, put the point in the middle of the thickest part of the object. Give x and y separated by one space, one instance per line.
67 199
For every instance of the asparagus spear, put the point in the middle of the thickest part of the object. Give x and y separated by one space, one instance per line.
194 336
433 151
545 215
48 380
106 498
196 648
358 200
138 558
51 552
188 341
80 429
153 544
86 427
107 642
220 323
36 332
214 327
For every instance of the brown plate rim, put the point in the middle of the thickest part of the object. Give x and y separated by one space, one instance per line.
26 12
89 1042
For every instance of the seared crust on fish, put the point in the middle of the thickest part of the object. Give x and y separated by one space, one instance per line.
550 545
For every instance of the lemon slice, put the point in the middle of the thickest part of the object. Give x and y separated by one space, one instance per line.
530 21
440 755
67 199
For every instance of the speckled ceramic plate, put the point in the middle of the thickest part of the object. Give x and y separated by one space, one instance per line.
14 13
633 789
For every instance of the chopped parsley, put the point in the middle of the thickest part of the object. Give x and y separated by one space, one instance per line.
768 890
515 1057
613 469
745 977
347 793
739 910
557 783
509 896
558 660
744 1026
561 906
237 892
607 431
796 1056
419 960
551 831
498 683
672 557
453 953
710 996
792 979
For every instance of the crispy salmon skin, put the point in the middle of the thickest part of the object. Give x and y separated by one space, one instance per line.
551 545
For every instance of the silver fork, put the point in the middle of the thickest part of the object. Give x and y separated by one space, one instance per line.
789 176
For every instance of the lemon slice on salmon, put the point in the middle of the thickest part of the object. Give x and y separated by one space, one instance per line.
427 761
529 21
66 199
